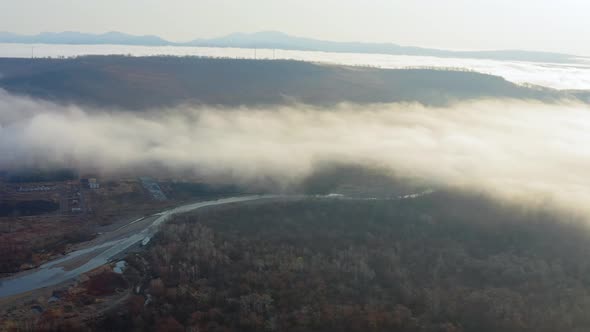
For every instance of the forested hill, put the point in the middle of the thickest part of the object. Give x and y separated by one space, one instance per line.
141 82
445 262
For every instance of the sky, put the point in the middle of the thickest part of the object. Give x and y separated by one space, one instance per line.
543 25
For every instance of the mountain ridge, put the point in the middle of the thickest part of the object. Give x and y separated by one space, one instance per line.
137 83
279 40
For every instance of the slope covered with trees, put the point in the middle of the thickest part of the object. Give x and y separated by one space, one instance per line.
150 82
442 262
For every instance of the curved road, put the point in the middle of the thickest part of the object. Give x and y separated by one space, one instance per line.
101 250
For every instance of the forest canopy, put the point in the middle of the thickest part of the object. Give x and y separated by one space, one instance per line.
441 262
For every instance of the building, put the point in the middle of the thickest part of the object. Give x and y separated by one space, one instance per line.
91 183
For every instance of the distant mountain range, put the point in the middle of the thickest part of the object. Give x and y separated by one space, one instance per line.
78 38
279 40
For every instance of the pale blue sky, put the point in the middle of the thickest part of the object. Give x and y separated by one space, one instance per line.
551 25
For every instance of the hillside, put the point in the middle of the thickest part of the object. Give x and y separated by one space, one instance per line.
445 262
141 82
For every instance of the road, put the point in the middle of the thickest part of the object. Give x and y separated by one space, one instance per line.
109 245
100 250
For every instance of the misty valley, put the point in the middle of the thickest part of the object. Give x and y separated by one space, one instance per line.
264 182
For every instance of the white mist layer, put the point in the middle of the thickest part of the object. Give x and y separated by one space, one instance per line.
553 75
513 149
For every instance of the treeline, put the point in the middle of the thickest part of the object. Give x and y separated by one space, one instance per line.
187 190
26 208
443 262
139 83
39 175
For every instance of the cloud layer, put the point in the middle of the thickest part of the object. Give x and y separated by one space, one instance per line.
514 149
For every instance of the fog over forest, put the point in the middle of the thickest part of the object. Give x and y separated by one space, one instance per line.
522 150
294 166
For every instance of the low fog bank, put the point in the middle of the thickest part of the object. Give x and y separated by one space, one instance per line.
526 151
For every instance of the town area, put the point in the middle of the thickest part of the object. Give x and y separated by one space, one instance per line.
44 215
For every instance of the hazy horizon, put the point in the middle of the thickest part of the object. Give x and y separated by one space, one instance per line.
196 37
550 26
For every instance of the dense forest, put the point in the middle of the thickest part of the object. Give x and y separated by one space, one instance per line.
26 208
38 175
161 81
444 262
